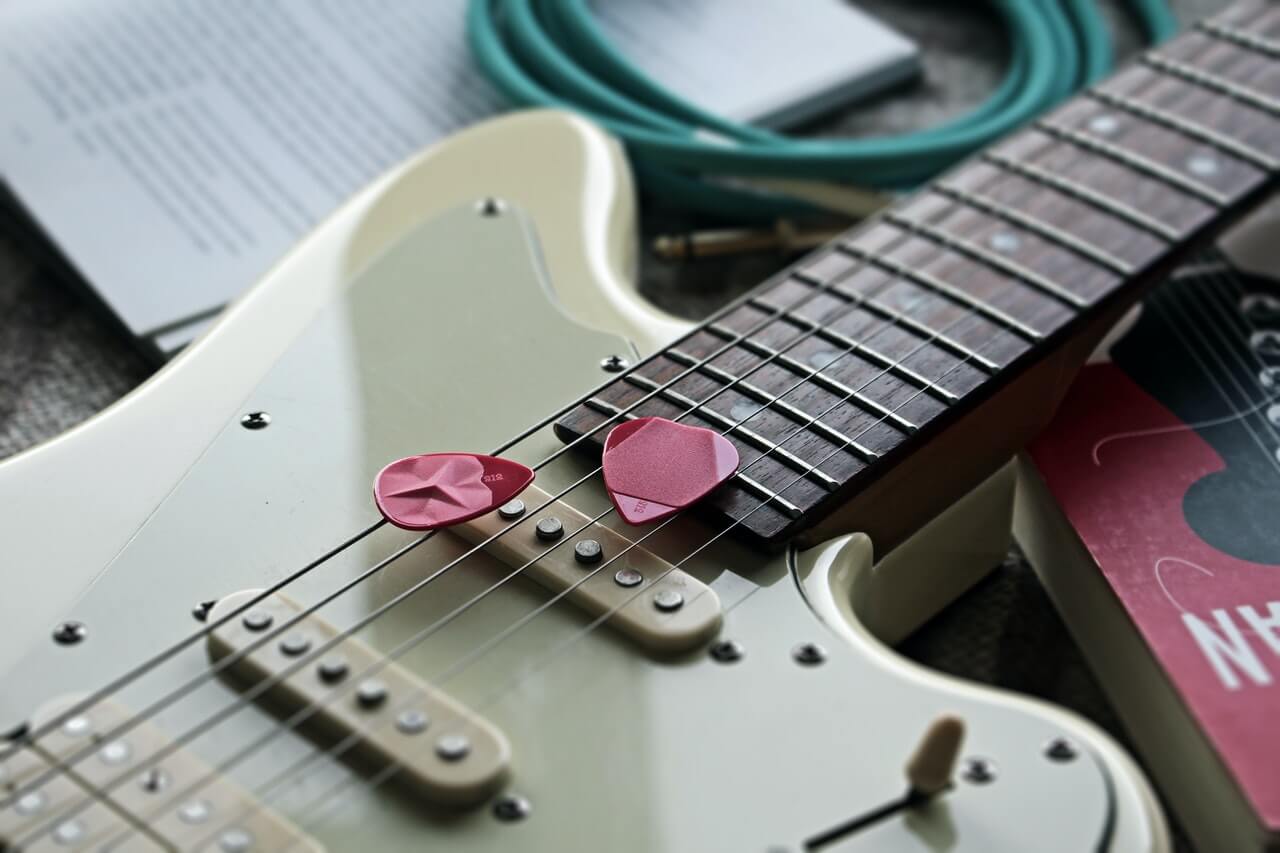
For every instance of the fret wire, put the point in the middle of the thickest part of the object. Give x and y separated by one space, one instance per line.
748 484
750 436
1260 44
990 259
937 285
1137 162
774 402
856 348
1198 132
875 306
1213 83
1038 227
1121 211
830 383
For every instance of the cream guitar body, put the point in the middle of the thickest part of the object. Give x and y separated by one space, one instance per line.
460 299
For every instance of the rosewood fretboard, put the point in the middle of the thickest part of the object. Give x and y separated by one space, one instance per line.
839 367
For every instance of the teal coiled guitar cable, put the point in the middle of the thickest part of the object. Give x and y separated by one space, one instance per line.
553 53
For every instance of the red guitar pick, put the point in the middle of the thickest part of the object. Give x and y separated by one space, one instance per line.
442 489
654 467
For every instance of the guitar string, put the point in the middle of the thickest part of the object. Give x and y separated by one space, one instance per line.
393 768
850 308
725 388
460 665
963 316
1242 355
1224 333
1228 376
1238 320
887 325
168 699
114 686
778 314
917 394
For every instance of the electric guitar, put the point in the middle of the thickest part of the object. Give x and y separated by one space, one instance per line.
213 640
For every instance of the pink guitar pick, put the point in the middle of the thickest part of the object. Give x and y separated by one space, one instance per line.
653 467
442 489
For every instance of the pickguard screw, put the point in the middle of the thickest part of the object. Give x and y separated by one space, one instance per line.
201 610
511 807
809 654
727 651
153 780
1061 750
70 632
490 206
979 771
255 420
614 364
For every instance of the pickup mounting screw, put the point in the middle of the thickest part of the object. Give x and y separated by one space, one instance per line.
727 651
979 771
490 207
1061 750
614 364
70 632
511 807
153 780
255 420
809 654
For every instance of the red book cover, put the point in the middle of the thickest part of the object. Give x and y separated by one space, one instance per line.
1166 461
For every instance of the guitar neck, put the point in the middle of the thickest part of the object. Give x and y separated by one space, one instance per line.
882 377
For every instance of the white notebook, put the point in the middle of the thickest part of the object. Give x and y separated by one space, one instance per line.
174 149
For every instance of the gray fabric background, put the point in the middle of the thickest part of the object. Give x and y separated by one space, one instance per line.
61 361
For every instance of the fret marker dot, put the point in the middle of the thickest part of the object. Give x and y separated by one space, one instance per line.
1273 414
1104 125
1203 165
1005 241
823 358
743 411
1270 378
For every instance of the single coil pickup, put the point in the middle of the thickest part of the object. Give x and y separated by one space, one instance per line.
445 753
642 596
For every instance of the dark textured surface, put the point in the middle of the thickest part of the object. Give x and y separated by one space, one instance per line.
60 362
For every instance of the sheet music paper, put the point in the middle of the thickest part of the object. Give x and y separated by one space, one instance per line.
174 149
